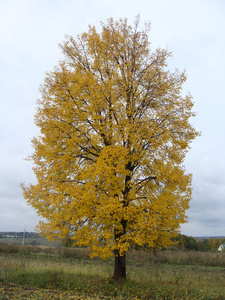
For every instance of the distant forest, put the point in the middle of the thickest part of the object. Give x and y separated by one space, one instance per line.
181 242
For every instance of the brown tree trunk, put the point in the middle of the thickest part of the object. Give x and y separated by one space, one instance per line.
120 266
120 260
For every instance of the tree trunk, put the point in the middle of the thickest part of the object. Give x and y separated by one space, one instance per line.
120 266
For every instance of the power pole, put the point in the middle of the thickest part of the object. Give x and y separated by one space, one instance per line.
23 237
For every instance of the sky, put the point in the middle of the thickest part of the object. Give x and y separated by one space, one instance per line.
193 30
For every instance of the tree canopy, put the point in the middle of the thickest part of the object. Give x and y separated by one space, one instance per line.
114 132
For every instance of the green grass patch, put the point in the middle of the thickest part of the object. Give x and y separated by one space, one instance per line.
70 274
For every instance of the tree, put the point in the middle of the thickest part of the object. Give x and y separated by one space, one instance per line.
221 241
186 242
214 244
203 245
114 131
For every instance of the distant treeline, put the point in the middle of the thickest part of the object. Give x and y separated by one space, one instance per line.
181 242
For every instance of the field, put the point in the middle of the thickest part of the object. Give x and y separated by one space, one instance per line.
31 272
36 241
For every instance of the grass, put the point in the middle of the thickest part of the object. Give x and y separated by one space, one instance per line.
61 273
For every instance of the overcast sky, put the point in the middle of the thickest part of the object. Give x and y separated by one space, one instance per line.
193 30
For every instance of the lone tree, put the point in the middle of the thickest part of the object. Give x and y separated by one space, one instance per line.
114 131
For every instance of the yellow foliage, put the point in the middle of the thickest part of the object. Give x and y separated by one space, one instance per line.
114 134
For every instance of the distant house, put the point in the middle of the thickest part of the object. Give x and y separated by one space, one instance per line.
221 247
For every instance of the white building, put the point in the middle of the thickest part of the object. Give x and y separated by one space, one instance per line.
221 247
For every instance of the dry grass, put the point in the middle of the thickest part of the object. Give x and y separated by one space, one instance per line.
214 259
70 274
